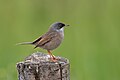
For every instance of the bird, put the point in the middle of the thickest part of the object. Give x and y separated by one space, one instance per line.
51 39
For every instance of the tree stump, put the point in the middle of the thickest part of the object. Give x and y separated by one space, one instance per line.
38 66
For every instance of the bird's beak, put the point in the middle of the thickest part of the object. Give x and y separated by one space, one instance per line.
67 25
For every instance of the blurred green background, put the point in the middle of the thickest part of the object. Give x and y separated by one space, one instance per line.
92 42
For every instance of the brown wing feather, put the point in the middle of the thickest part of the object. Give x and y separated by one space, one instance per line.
37 40
44 39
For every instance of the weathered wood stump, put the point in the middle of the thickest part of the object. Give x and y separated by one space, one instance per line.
38 66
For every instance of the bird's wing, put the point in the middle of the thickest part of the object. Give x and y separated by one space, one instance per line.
37 40
44 39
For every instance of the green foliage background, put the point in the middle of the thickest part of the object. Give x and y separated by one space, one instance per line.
92 42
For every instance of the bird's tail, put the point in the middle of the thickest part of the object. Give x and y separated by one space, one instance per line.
25 43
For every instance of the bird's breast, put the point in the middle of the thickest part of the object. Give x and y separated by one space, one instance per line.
55 41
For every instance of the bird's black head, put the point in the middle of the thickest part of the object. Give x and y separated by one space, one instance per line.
58 25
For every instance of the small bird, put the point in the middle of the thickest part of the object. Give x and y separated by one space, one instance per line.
51 39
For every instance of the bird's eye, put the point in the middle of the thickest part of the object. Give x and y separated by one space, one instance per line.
60 25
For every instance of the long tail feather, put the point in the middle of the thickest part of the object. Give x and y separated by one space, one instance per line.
25 43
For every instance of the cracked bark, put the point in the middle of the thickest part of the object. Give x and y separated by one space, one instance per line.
39 67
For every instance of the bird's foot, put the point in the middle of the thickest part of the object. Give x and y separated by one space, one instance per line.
53 58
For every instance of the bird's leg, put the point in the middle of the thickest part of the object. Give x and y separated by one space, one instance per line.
51 56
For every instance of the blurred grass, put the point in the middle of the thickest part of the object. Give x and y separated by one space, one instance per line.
92 42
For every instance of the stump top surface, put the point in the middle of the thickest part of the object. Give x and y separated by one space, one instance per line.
38 57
